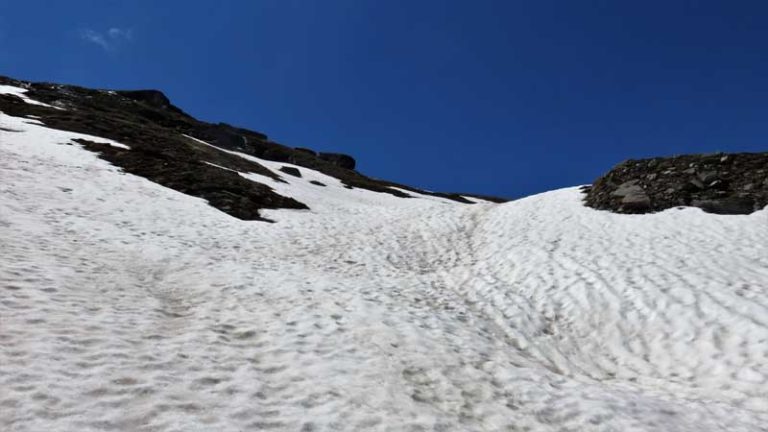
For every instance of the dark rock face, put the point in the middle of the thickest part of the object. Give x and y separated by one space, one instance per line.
159 151
223 189
291 171
339 159
306 150
154 129
153 98
225 136
633 196
728 205
716 183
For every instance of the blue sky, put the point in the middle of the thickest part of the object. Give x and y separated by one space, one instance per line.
499 97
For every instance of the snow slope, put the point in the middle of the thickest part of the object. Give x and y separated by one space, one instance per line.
128 306
20 92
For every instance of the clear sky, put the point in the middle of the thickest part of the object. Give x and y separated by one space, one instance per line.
498 97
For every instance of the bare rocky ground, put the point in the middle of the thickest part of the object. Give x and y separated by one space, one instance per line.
716 183
156 132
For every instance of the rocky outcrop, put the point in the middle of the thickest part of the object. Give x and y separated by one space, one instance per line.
223 189
339 159
306 150
291 171
225 136
633 196
717 183
153 98
155 130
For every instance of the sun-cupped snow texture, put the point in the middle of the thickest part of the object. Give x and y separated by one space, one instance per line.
128 306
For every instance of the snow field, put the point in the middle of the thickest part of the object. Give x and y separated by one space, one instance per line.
128 306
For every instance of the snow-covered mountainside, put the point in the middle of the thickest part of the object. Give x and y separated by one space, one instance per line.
126 305
175 150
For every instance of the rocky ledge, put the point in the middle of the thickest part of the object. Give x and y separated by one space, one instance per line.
171 148
717 183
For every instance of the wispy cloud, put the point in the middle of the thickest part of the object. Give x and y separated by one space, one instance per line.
109 40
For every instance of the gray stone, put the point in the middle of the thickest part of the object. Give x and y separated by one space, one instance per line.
718 184
291 171
708 176
627 188
339 159
636 201
732 205
633 196
306 151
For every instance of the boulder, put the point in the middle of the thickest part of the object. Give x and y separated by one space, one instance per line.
696 183
727 205
306 151
277 153
636 201
225 136
291 171
633 197
627 188
707 176
153 98
339 159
